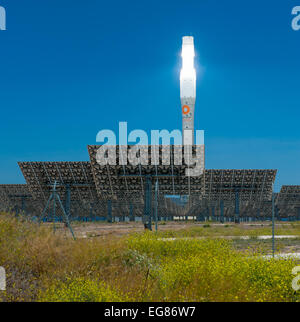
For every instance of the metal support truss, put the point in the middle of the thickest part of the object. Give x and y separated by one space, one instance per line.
54 197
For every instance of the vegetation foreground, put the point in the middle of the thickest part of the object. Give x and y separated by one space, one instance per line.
42 266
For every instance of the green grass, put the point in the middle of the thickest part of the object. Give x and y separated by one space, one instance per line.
209 230
42 266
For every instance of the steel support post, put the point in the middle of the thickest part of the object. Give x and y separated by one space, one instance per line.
23 205
222 211
54 208
258 214
273 223
109 211
156 204
92 211
208 214
213 213
68 200
276 213
148 204
131 215
237 207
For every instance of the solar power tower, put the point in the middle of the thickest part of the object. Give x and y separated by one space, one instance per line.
188 89
74 184
288 202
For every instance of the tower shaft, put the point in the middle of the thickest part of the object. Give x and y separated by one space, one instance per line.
188 89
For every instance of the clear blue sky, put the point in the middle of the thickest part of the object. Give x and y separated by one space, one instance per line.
71 68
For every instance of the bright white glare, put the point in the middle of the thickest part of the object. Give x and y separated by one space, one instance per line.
188 54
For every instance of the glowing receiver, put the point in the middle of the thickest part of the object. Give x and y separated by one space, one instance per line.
188 89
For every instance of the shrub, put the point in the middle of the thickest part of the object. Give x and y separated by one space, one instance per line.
79 290
42 266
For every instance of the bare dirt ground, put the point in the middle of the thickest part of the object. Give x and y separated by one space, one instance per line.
90 229
101 229
244 236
